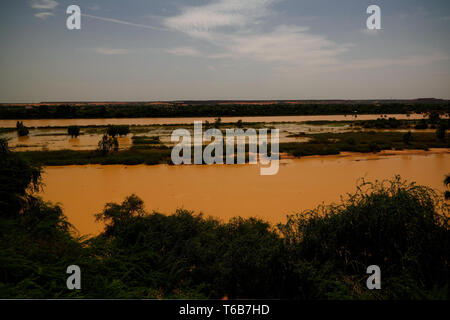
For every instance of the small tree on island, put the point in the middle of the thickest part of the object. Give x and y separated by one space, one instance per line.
122 130
21 129
107 145
73 131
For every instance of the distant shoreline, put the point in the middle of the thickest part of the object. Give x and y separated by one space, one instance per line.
191 109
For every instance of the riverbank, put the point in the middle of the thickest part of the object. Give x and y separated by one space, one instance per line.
148 152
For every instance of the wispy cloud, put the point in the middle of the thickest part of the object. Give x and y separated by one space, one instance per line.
44 4
222 23
238 31
184 51
287 44
43 15
47 5
201 21
111 51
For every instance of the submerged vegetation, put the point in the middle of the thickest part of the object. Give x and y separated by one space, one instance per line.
150 149
317 254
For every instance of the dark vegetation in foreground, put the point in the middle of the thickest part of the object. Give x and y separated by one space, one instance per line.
150 150
214 109
318 254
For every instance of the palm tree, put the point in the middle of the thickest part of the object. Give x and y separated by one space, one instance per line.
447 183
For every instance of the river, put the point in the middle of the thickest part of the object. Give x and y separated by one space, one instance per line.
225 191
160 121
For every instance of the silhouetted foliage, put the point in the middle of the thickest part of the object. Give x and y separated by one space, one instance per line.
407 137
73 131
441 131
16 178
447 183
403 228
108 144
121 130
21 129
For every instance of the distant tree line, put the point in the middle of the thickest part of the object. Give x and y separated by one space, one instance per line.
66 111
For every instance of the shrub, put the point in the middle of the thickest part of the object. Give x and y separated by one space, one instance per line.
73 131
121 130
403 228
407 137
107 144
441 131
21 129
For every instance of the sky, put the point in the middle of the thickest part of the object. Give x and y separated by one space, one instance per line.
152 50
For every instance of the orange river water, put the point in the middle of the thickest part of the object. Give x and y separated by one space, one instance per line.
156 121
225 191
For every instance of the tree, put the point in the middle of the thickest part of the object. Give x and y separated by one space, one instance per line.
122 130
433 117
17 180
73 131
407 137
447 183
21 129
422 124
107 144
4 146
440 131
114 215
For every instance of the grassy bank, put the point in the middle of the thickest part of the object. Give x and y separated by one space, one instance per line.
149 150
71 157
334 143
